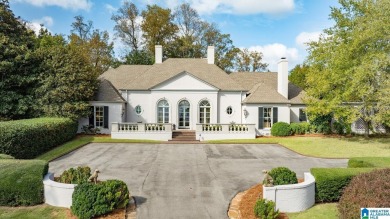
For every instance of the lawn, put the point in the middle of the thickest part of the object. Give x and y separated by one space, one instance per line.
34 212
326 147
319 211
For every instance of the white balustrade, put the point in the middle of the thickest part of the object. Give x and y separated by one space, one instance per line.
225 131
151 131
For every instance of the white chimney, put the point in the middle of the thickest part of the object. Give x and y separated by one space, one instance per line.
158 54
283 77
210 55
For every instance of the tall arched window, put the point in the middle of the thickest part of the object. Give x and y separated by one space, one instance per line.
163 111
204 112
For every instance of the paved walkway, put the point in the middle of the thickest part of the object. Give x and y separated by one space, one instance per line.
187 180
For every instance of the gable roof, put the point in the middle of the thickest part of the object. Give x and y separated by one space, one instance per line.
107 93
133 77
263 88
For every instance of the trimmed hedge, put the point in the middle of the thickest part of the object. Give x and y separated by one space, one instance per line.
299 128
265 209
5 156
90 200
359 162
365 190
280 129
21 181
28 138
283 176
330 182
75 176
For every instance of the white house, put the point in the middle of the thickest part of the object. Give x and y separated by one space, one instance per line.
193 97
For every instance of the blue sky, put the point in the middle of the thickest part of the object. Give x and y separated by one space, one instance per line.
275 27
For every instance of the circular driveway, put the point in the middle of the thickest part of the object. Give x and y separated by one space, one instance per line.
187 180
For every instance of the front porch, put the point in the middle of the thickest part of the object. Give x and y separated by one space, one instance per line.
165 131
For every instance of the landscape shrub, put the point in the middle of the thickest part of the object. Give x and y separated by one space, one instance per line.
299 128
359 162
283 176
321 123
21 181
90 200
6 156
265 209
330 182
280 129
28 138
75 176
365 190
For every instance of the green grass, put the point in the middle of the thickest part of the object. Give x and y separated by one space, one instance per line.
327 147
81 141
369 162
34 212
319 211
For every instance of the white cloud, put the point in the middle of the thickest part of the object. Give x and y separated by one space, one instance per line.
243 6
111 9
306 37
273 52
35 24
67 4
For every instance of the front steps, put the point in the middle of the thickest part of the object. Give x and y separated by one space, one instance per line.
183 136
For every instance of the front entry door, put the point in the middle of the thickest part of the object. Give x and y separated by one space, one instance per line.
184 114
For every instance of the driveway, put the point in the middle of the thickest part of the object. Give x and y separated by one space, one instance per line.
189 180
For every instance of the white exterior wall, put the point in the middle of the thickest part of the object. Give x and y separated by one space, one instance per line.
294 197
294 116
114 115
57 194
234 100
253 115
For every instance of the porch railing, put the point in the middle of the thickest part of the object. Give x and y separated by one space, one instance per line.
225 128
141 127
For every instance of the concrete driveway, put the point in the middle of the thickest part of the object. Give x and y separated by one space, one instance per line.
187 181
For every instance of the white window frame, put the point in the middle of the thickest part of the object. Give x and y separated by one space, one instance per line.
163 107
204 115
269 117
136 110
99 119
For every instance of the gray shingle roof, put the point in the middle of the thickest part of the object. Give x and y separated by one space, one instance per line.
263 88
107 93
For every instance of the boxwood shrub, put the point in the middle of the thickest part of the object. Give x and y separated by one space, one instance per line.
21 181
28 138
280 129
91 200
330 182
299 128
283 176
365 190
75 176
265 209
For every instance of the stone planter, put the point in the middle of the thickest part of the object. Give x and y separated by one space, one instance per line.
294 197
57 194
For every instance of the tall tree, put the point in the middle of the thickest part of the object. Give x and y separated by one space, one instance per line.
349 65
157 26
18 75
127 25
298 75
249 61
81 28
139 57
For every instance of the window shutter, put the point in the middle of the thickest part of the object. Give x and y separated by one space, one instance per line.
275 115
92 116
261 118
105 117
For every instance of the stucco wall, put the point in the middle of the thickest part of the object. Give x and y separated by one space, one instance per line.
114 115
292 198
57 194
234 100
294 116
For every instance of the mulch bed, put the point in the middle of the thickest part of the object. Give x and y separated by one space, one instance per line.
248 202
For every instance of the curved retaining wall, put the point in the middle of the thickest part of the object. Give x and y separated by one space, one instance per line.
292 198
57 194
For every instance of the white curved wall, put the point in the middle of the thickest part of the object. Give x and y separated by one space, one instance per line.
292 198
57 194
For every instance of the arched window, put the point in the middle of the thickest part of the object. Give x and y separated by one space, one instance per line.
163 111
204 112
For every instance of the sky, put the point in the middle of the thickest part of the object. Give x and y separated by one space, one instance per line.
277 28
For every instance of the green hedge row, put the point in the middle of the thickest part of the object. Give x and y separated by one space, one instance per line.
330 182
21 181
358 162
28 138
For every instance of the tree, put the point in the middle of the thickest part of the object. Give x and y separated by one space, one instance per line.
139 57
349 65
127 26
82 29
157 26
18 75
298 75
249 61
